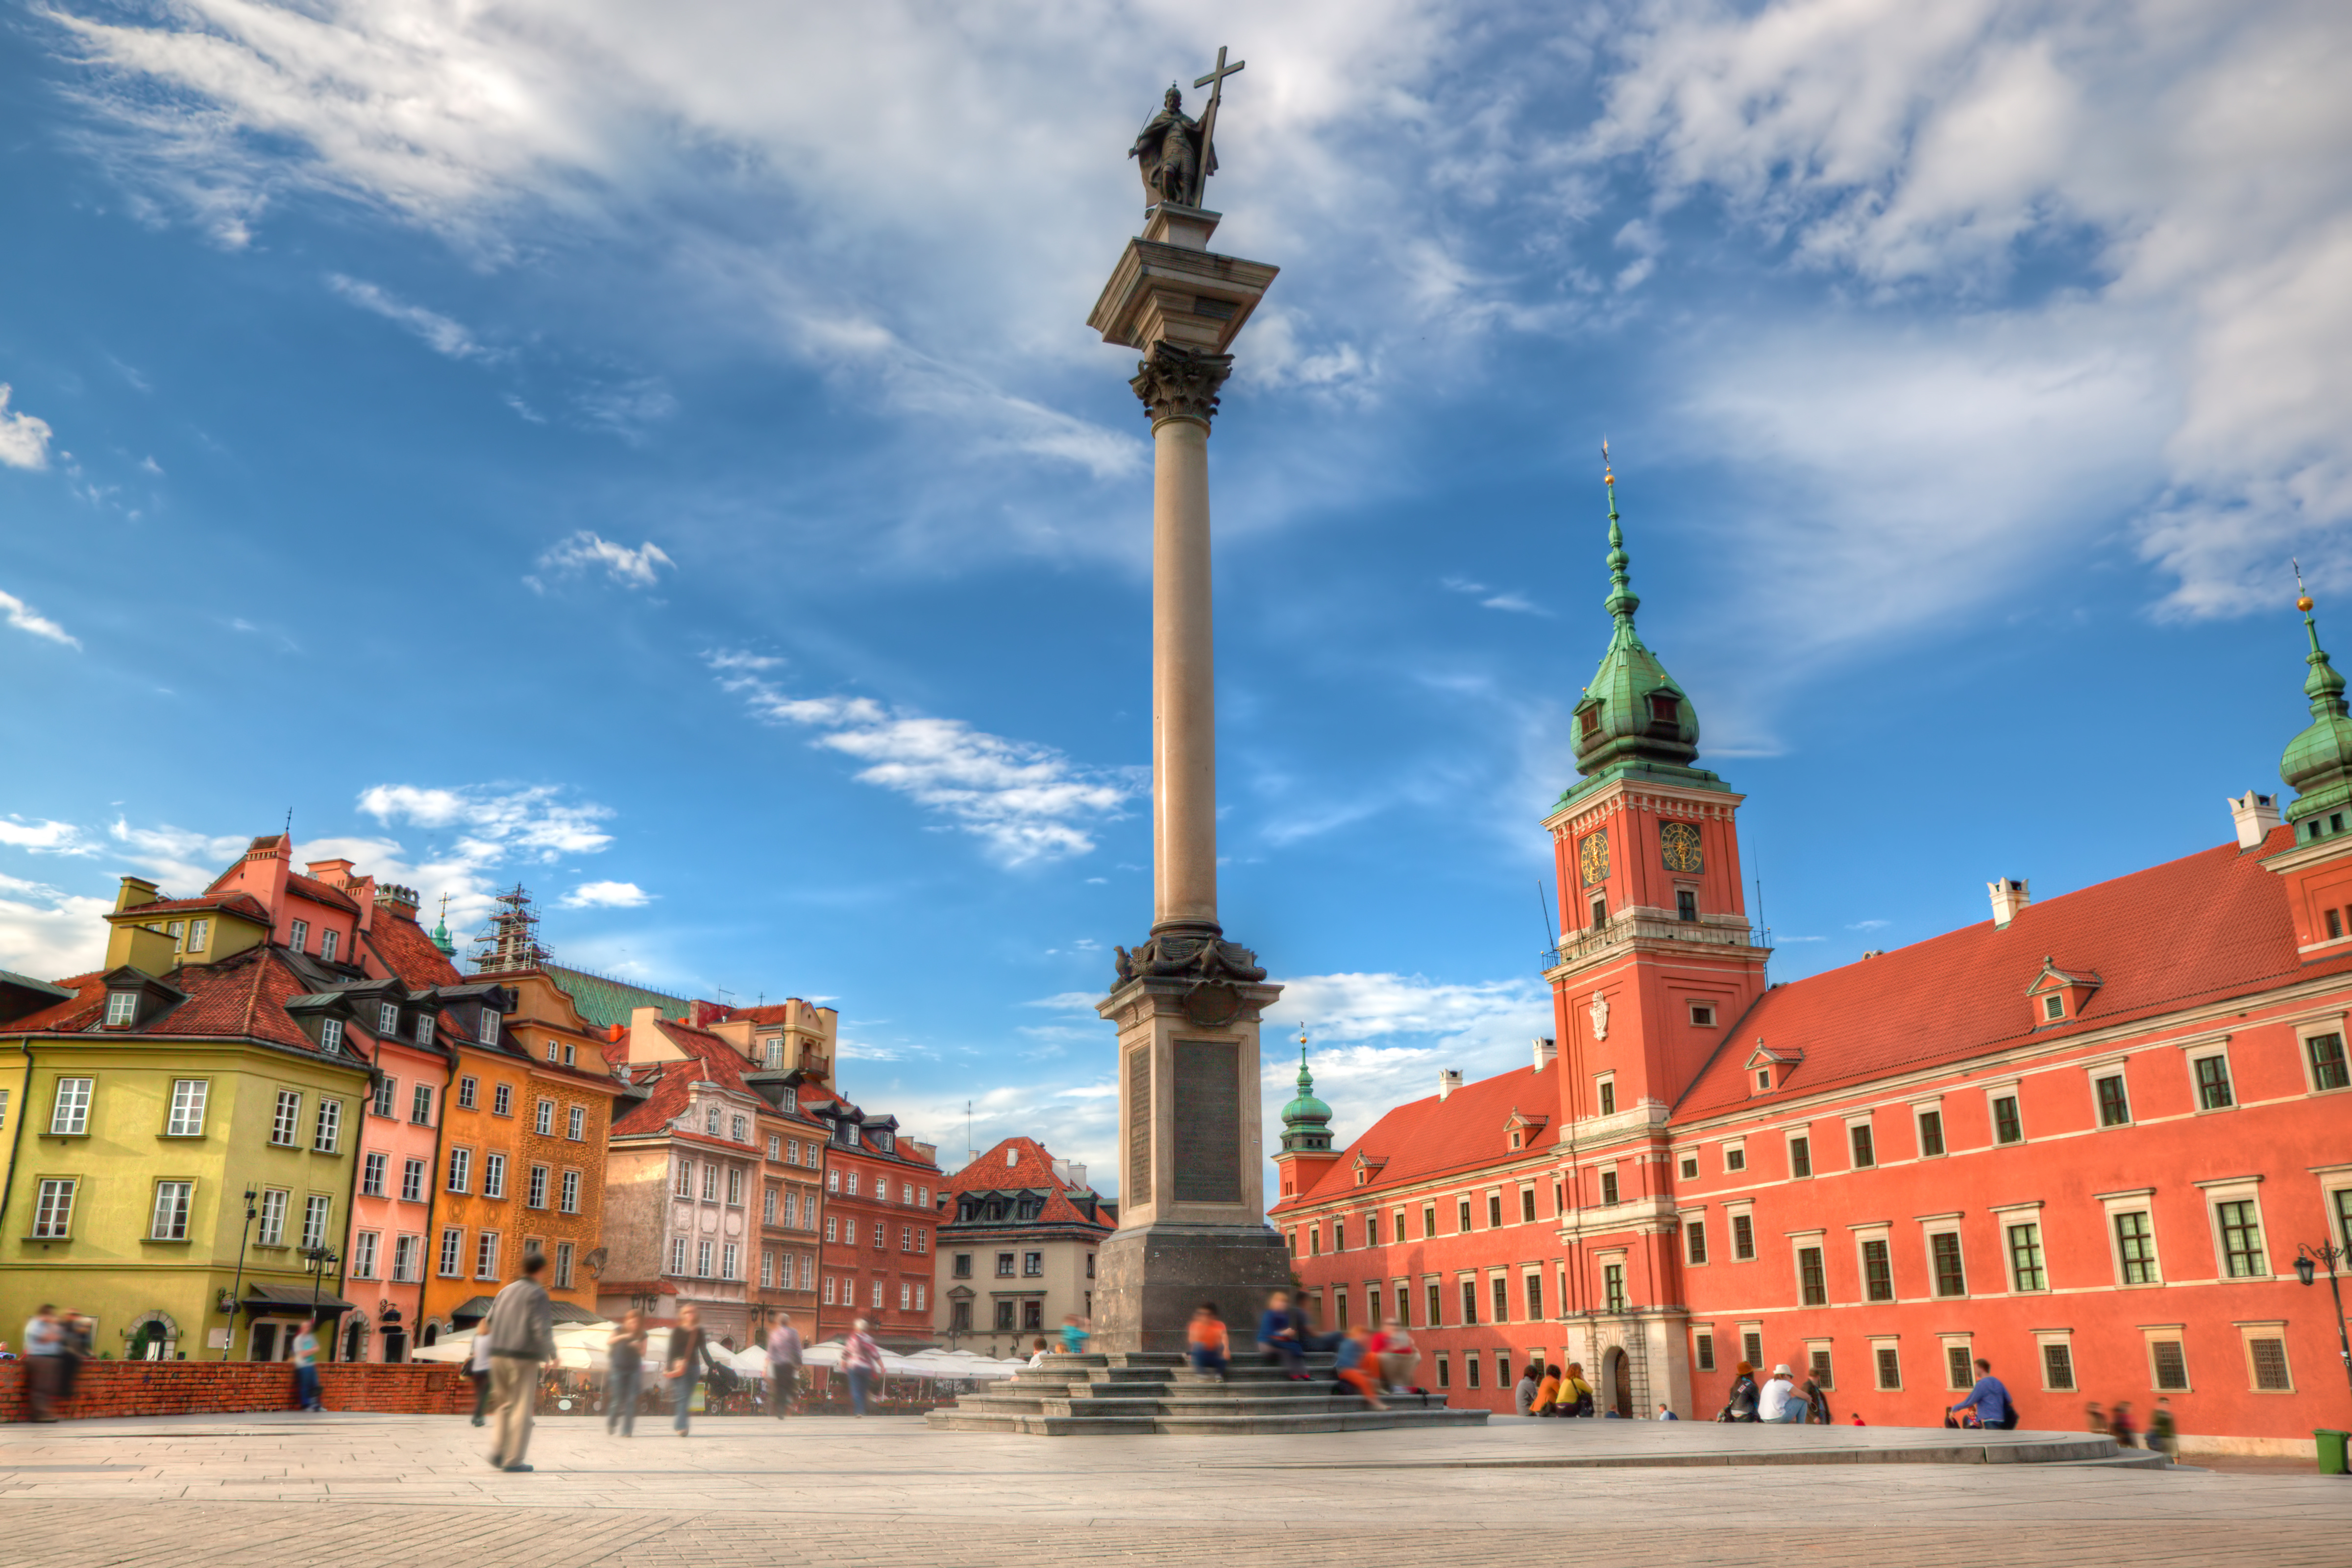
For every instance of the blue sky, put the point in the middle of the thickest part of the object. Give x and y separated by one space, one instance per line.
655 454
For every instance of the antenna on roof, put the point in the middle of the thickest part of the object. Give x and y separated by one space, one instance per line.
289 811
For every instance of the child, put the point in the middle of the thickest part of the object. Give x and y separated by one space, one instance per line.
1074 1335
1038 1351
1858 1420
1207 1337
1353 1351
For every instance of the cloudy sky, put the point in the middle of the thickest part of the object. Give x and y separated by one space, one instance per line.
654 453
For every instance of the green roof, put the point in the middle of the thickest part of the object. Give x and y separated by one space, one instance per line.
606 1001
2318 765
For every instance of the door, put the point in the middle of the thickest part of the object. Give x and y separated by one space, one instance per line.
1619 1371
265 1342
395 1345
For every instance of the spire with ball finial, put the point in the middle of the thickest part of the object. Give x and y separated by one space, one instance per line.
2317 764
1305 1121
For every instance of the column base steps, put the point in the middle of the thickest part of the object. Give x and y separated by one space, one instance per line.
1072 1395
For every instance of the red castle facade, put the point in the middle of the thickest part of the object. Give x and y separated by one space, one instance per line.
2083 1139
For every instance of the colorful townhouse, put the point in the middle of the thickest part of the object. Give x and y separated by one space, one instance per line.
877 1262
1017 1229
182 1161
2089 1139
789 1048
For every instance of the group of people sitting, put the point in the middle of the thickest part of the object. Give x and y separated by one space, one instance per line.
1545 1390
1372 1362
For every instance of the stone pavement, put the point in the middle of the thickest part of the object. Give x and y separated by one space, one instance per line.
202 1491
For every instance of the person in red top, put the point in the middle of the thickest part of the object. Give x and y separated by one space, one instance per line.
1208 1340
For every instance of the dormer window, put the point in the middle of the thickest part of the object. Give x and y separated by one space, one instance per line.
1702 1015
2053 1006
299 938
387 1019
200 932
886 1142
424 1029
330 1034
121 1008
489 1027
1590 719
1665 709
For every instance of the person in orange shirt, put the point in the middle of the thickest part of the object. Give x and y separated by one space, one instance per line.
1207 1336
1355 1354
1547 1393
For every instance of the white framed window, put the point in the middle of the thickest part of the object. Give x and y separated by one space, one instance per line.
1742 1220
485 1255
412 1181
2235 1210
922 1298
727 1260
494 1175
2326 1066
121 1008
808 1265
2209 1074
387 1019
710 1181
1735 1156
768 1207
1886 1364
327 1135
906 1297
683 1186
502 1097
469 1089
69 1111
1862 1144
363 1253
564 1250
327 940
536 1193
299 936
53 1209
678 1255
420 1105
1948 1270
1874 1255
461 1170
702 1260
2029 1270
775 1147
384 1090
187 1117
710 1120
489 1027
832 1181
853 1184
767 1270
271 1232
2055 1350
2110 1095
740 1128
1801 1156
405 1249
285 1126
170 1220
576 1123
371 1167
1928 1128
828 1289
570 1193
316 1210
331 1035
2130 1220
424 1027
878 1293
735 1185
2167 1359
200 932
1604 1094
542 1119
453 1253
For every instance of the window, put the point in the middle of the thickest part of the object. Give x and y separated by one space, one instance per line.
1004 1265
906 1239
1532 1285
729 1255
2025 1265
1462 1214
710 1181
331 1035
1866 1152
2266 1360
2213 1084
494 1176
2328 1069
1005 1316
1035 1311
2006 1127
882 1239
199 932
1444 1371
315 1212
272 1232
1818 1364
1428 1220
702 1254
461 1170
1801 1156
570 1200
1957 1367
300 935
740 1129
1890 1367
1695 1240
466 1089
2168 1367
1500 1289
412 1181
2243 1256
2057 1366
962 1269
187 1118
1470 1367
767 1270
1812 1280
735 1185
542 1119
285 1127
1493 1212
1690 1167
1470 1301
420 1105
576 1125
853 1184
424 1029
384 1089
1526 1217
1032 1264
1607 1091
768 1207
2136 1249
1612 1286
2114 1107
1734 1157
1877 1271
485 1255
1436 1299
1608 1188
327 1136
564 1250
1743 1238
502 1097
1944 1255
535 1191
121 1008
1703 1351
1686 904
372 1176
169 1221
677 1261
53 1211
1931 1135
2054 1007
489 1027
403 1257
363 1248
793 1152
684 1186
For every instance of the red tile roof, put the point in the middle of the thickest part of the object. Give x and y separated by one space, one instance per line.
709 1060
2201 929
407 953
89 992
318 892
243 903
242 997
1429 1137
1032 1168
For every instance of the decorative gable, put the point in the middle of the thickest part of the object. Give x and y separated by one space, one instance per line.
2058 995
1520 1129
1770 1067
1368 1167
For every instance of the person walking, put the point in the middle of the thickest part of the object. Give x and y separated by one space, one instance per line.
624 1373
1666 1412
522 1330
1280 1335
862 1358
1349 1360
2120 1428
783 1365
1075 1334
2163 1431
306 1365
75 1348
1989 1400
1778 1402
477 1368
45 1359
1523 1393
1206 1340
682 1364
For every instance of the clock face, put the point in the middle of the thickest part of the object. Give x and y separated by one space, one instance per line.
1592 856
1678 844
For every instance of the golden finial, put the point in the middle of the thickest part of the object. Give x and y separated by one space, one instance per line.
1608 469
2302 599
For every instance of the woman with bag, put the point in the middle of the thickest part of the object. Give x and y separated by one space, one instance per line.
862 1359
1741 1406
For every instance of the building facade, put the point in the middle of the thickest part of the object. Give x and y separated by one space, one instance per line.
2083 1139
1017 1234
875 1261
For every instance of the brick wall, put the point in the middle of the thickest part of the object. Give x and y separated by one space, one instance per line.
216 1387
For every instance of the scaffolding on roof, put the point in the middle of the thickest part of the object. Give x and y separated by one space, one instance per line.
512 940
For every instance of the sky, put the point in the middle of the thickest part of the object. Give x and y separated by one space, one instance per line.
654 453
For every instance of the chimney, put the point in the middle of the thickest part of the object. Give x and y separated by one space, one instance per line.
2010 897
395 899
1448 1081
135 892
2255 816
1546 1049
1078 1176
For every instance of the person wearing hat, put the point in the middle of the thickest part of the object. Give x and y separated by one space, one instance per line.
1778 1402
1741 1405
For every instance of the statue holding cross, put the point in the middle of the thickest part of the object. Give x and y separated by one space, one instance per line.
1177 153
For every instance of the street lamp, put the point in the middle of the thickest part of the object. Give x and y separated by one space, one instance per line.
317 1260
236 1289
2307 1260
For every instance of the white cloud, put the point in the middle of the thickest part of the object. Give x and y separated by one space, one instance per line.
625 408
24 439
183 861
1027 802
47 933
482 832
606 895
1067 1002
23 617
441 334
1488 598
45 837
584 551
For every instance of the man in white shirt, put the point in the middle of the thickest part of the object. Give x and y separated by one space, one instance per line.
1778 1402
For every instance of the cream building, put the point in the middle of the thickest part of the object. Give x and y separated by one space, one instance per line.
1018 1231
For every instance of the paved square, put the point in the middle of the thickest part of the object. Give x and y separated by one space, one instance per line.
366 1490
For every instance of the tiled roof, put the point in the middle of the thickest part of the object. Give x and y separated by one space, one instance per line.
243 903
668 1084
318 892
606 1001
2201 929
242 997
404 949
773 1012
1031 1169
1430 1137
89 991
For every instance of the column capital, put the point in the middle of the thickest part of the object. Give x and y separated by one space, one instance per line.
1176 382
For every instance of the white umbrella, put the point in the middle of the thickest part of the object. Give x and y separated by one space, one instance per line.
751 1361
456 1347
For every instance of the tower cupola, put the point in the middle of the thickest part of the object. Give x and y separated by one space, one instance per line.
1305 1121
2317 764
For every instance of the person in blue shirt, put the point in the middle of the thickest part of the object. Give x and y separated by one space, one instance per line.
1989 1400
1280 1332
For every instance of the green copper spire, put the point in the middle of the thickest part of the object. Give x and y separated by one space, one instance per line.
441 932
1305 1121
2318 765
1632 719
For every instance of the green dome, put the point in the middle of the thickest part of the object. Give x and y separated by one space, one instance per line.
1305 1121
2317 764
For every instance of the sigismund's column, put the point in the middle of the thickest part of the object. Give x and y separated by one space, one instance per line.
1187 1002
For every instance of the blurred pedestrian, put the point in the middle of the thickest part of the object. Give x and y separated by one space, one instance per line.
863 1359
1208 1343
624 1373
1398 1357
2120 1426
1523 1393
1282 1335
1858 1420
45 1361
2163 1433
477 1368
783 1365
1349 1364
1776 1402
682 1361
1989 1400
77 1348
2095 1420
1817 1401
1075 1334
306 1365
1667 1414
521 1331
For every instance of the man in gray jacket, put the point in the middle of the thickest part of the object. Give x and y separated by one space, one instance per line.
522 1330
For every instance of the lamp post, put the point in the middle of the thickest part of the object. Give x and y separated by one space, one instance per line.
2307 1260
239 1285
317 1260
